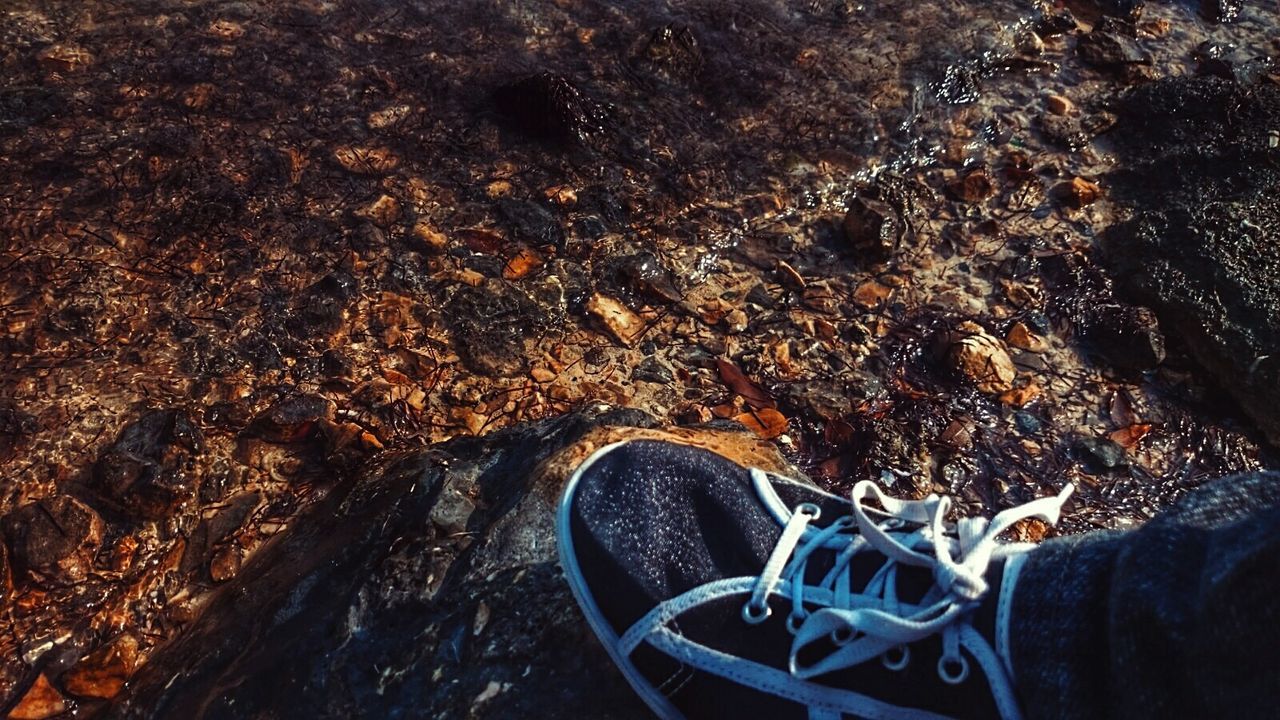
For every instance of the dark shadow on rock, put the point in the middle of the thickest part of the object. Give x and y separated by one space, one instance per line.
427 588
1202 168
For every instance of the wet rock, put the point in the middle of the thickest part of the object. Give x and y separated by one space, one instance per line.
980 358
292 419
551 107
872 227
1077 192
41 701
1073 133
103 673
960 84
653 370
492 324
644 274
671 52
383 211
321 307
620 321
22 107
1222 11
1127 9
1055 23
149 469
361 584
55 537
1128 337
1201 250
974 187
531 223
1100 453
1112 50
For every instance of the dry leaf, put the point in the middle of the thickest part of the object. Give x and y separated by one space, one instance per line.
765 422
1127 437
735 380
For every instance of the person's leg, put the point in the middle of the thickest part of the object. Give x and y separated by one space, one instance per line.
1178 619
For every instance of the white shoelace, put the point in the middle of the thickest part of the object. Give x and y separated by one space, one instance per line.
873 622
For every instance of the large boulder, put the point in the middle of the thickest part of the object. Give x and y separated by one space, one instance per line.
1201 161
428 588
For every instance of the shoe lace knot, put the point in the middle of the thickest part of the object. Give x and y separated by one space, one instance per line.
838 626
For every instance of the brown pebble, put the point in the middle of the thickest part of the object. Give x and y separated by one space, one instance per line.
1021 337
623 324
871 294
41 701
981 358
104 673
429 238
381 212
972 188
1059 105
64 58
1078 193
366 160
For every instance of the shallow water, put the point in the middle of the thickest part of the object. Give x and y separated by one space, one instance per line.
324 228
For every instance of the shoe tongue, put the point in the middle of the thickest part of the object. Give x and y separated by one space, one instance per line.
782 496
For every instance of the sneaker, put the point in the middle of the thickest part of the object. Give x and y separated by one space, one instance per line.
723 591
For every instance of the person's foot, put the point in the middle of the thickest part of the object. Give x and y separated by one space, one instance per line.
722 591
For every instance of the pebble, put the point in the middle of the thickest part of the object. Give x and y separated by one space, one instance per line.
872 227
56 536
974 187
104 673
1021 337
981 358
366 160
381 212
429 238
64 58
621 322
41 701
1100 452
1078 193
1059 105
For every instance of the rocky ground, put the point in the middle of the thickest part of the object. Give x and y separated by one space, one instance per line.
254 251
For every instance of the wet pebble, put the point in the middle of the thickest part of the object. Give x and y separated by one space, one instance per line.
871 226
149 470
1126 336
55 537
292 419
105 671
1100 453
980 358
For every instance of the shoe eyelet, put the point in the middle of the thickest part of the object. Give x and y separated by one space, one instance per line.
753 615
843 635
809 509
896 658
794 621
946 665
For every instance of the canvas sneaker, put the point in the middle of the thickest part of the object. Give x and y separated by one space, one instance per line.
724 591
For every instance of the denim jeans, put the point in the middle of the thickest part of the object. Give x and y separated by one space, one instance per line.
1177 619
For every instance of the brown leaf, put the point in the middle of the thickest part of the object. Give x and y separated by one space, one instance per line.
765 422
735 380
1127 437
